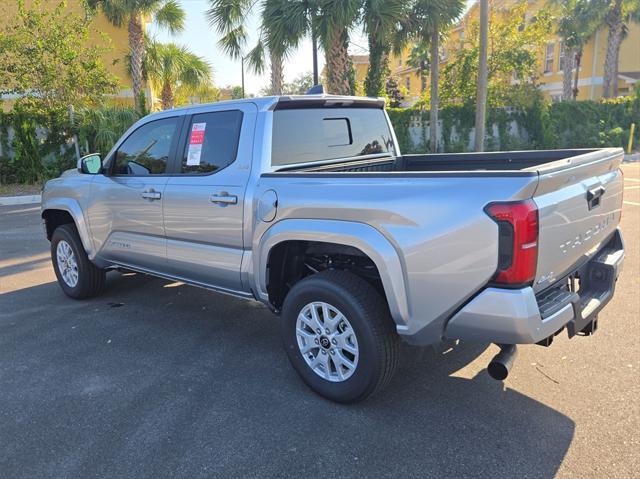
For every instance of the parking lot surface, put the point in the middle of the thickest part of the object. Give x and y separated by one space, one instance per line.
159 379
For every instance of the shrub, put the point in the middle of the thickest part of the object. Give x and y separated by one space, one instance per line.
572 124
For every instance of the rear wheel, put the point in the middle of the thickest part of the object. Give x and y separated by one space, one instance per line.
78 277
339 336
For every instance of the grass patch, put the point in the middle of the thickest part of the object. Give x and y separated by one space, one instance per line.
20 190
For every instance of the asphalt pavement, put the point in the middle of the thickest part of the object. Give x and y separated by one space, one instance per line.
158 379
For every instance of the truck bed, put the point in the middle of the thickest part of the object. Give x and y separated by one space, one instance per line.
429 202
508 161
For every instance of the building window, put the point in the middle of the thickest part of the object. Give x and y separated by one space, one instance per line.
443 54
561 57
548 58
400 61
407 83
461 39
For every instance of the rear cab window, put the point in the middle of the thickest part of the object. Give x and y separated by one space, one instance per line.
309 135
212 142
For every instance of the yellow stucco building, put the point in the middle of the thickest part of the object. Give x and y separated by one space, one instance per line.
549 79
117 42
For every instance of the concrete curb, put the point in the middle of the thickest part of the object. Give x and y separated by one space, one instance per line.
19 200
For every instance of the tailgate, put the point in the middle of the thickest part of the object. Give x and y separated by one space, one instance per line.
579 203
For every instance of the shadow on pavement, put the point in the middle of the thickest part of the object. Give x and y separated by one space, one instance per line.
150 380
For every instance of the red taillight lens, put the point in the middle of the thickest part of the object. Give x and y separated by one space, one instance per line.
518 241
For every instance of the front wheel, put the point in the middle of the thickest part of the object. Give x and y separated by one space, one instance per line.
78 277
339 336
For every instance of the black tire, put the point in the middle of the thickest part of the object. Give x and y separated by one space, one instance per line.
91 279
369 316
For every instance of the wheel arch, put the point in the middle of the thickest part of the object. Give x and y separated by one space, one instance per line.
362 237
59 211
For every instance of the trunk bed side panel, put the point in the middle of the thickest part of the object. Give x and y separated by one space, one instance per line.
446 243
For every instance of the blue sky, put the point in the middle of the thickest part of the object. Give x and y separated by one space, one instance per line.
202 40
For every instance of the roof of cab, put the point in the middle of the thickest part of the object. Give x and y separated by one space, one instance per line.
287 102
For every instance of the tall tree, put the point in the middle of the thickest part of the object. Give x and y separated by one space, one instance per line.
166 14
170 66
578 22
514 54
229 18
429 20
619 13
334 21
287 22
420 60
481 98
382 21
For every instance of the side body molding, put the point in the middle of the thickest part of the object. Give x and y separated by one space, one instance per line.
358 235
72 207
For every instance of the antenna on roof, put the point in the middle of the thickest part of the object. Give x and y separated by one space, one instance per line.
316 90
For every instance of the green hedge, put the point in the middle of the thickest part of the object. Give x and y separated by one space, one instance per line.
37 160
580 124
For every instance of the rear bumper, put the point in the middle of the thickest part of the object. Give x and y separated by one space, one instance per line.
519 316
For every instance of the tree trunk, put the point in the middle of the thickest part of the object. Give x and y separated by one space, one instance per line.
481 99
276 74
577 74
567 73
136 45
374 83
339 66
433 112
166 96
614 22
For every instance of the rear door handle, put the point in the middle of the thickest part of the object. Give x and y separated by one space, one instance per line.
151 195
223 198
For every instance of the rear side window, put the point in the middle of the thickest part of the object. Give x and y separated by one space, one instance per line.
316 134
146 150
212 141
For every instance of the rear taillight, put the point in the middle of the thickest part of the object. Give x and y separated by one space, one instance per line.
518 241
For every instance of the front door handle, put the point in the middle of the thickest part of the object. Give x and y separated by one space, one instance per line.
151 195
223 198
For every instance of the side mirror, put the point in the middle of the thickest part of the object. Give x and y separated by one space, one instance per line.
90 164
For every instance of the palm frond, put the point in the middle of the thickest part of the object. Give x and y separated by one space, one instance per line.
256 58
227 15
170 16
233 42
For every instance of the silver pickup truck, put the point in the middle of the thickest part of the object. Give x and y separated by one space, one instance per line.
306 204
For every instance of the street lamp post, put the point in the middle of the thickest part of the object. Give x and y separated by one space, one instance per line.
242 66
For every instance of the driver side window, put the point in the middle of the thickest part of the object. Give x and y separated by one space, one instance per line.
146 150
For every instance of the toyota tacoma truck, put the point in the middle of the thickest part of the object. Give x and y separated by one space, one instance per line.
306 204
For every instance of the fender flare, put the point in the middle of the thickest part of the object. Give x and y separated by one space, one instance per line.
358 235
72 207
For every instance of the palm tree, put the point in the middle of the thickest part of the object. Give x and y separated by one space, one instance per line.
167 14
100 128
169 66
286 22
334 21
276 37
279 35
481 102
429 20
577 24
383 20
618 14
419 59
